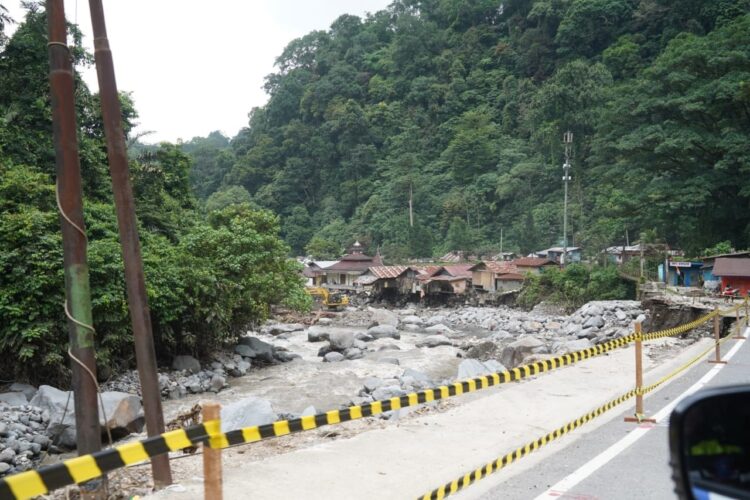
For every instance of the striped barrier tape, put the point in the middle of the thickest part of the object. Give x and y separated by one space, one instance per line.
84 468
504 460
670 332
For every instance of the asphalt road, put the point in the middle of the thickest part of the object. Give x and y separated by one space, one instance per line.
622 460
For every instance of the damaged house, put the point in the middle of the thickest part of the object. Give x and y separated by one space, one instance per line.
492 276
451 279
389 281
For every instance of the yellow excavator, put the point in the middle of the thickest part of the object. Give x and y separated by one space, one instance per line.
330 300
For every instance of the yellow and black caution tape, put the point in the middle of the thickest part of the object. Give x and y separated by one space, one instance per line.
504 460
87 467
487 469
84 468
670 332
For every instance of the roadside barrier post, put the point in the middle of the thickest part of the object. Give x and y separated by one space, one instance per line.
212 474
717 334
738 333
639 416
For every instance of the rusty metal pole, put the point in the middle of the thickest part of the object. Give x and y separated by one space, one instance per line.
639 415
77 291
212 473
717 335
131 247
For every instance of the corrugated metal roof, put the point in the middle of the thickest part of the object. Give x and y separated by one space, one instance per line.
385 272
459 270
559 249
322 263
351 265
532 262
452 257
366 279
725 266
502 267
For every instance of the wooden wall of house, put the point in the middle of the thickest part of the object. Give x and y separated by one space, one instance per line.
485 279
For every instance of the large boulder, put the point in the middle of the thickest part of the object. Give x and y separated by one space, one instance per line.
256 349
26 389
13 398
317 334
411 320
385 317
383 331
571 346
124 413
333 357
439 328
435 320
514 353
186 363
246 413
387 392
417 375
354 353
279 328
434 341
594 322
472 368
341 341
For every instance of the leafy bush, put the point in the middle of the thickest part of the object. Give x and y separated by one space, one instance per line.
574 286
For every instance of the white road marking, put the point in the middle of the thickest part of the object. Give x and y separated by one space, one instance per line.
560 488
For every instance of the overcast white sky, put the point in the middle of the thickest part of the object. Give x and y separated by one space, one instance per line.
195 66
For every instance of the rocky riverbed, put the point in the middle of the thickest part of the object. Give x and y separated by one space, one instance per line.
287 370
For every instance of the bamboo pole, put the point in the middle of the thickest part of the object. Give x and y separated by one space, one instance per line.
639 412
717 334
212 474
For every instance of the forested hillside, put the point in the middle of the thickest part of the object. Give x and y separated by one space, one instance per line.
209 273
461 105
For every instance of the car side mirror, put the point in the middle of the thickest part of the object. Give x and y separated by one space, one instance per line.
709 442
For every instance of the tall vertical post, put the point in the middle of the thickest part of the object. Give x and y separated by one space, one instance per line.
639 415
131 247
738 325
212 470
717 335
568 141
69 193
411 205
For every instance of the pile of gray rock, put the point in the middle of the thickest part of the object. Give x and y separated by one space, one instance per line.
344 344
376 389
189 377
33 422
22 437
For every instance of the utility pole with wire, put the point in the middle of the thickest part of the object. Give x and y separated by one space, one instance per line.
140 316
69 202
568 141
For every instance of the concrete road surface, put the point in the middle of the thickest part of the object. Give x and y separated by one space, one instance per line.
620 460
